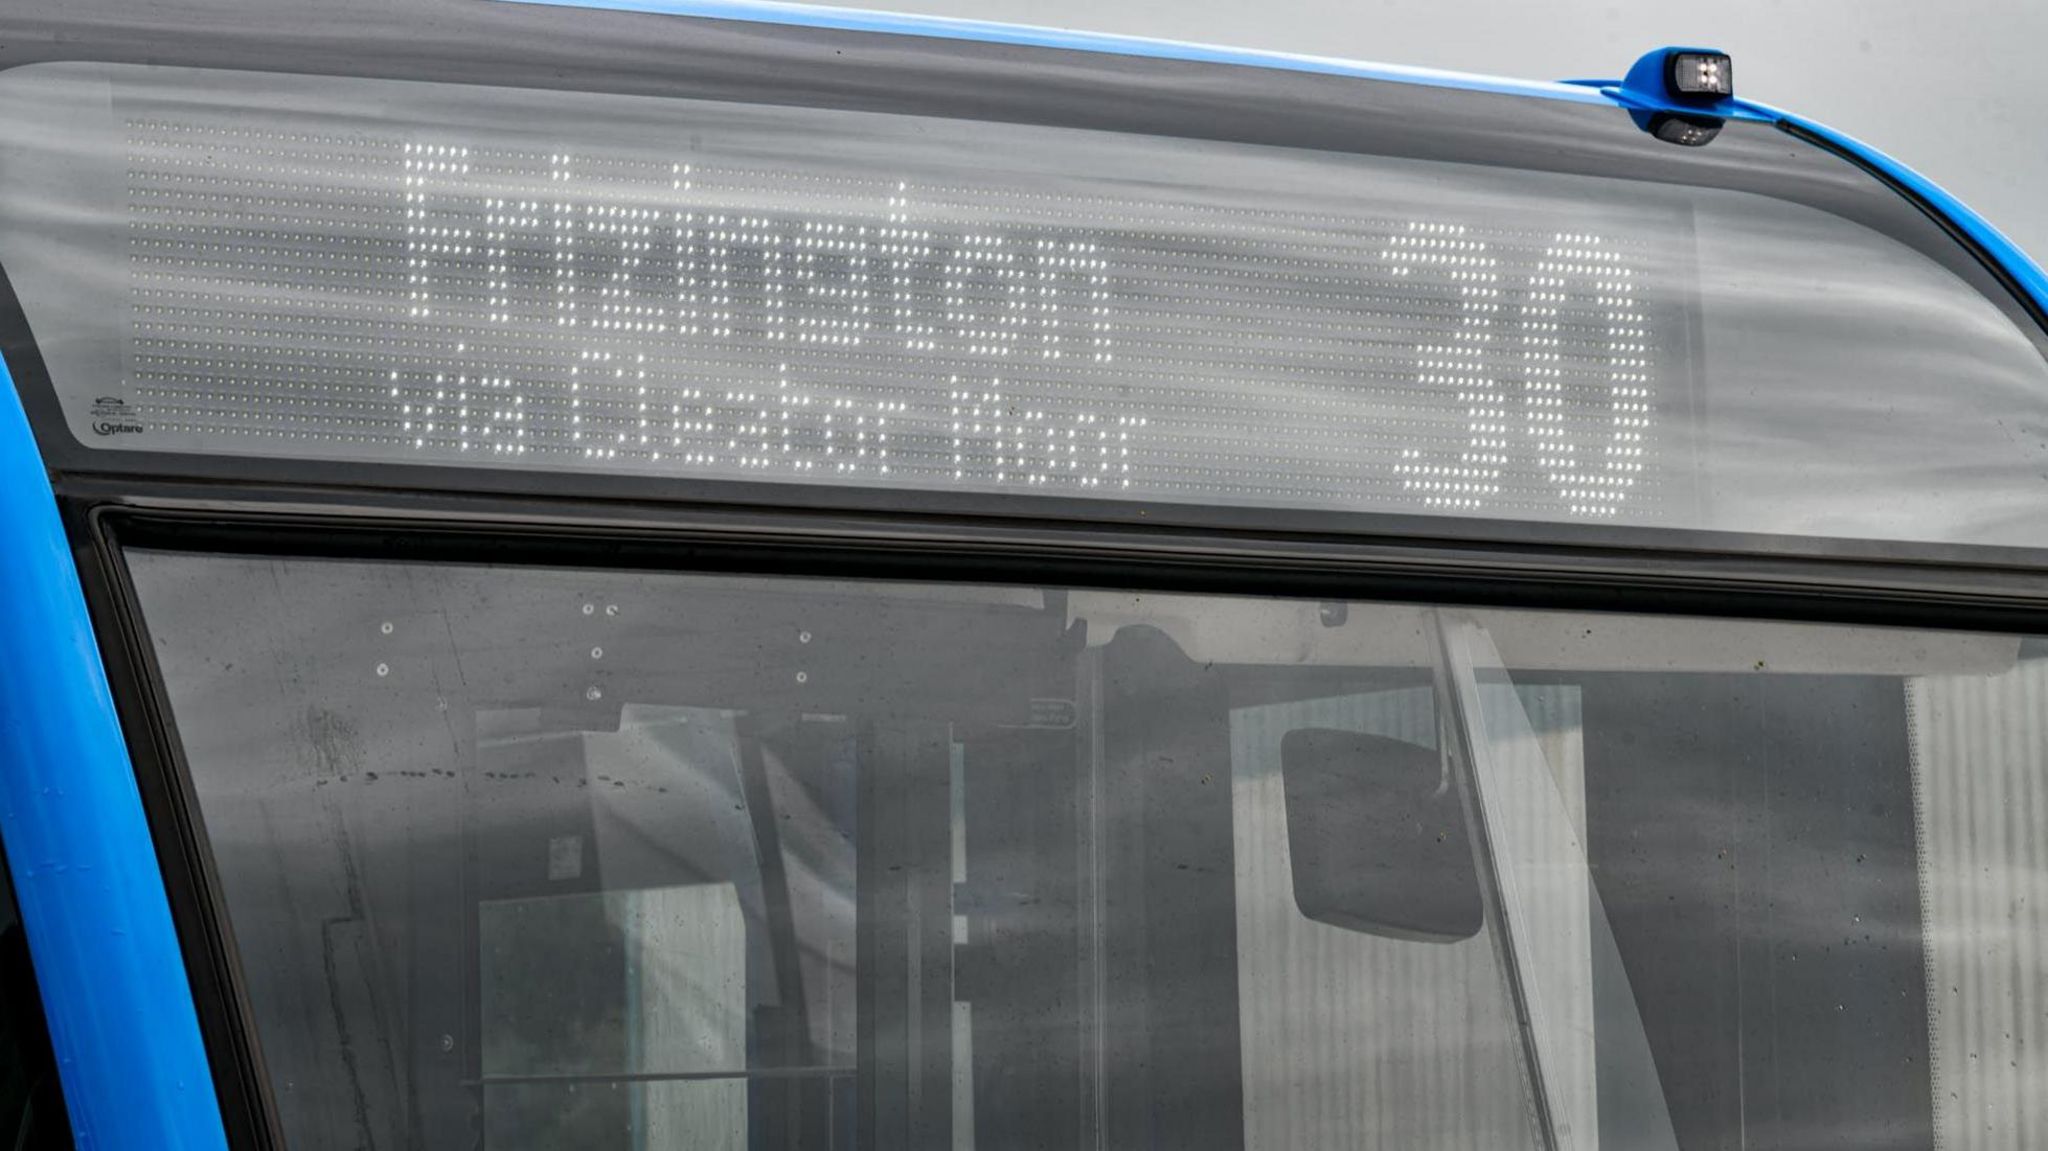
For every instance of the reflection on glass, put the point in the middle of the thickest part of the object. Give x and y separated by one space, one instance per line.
529 858
644 990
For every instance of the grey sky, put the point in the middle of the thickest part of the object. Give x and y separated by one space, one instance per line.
1955 88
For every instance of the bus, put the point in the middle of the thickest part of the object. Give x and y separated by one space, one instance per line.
642 574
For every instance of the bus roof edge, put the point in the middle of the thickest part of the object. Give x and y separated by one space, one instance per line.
846 19
2026 276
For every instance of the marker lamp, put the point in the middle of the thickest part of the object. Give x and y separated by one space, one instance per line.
1708 75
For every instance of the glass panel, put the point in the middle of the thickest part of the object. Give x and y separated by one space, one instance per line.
625 859
385 271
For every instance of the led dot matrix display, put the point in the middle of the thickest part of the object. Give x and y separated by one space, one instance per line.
716 291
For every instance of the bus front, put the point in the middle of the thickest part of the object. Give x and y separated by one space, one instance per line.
753 578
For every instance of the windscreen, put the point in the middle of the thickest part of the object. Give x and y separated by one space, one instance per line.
540 858
366 272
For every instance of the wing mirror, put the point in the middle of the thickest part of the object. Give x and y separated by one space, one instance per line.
1377 837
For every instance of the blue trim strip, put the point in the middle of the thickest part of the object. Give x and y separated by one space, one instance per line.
992 32
2008 255
1729 109
99 925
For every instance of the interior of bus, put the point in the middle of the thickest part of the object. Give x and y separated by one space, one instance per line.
526 857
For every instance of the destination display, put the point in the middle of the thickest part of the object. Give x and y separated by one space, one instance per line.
375 271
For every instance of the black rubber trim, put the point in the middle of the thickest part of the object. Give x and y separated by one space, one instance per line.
212 963
958 550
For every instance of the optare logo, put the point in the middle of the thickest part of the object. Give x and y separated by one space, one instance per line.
114 416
